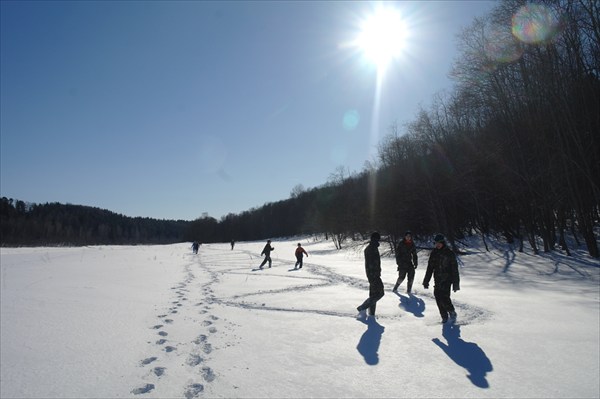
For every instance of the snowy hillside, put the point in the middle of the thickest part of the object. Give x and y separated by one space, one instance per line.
159 321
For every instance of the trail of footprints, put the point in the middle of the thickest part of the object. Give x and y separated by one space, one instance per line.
201 346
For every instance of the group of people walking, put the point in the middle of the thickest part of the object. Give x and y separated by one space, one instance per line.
442 265
266 252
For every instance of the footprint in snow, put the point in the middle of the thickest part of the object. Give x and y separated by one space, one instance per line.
148 360
161 341
168 321
145 389
156 327
194 360
163 333
212 330
208 374
206 323
159 371
207 348
170 349
201 338
193 390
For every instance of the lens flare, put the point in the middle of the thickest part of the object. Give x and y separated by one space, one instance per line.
501 46
351 119
535 23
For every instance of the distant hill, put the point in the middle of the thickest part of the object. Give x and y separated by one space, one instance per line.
25 224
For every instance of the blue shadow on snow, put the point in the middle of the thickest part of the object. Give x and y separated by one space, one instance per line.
368 346
412 304
466 354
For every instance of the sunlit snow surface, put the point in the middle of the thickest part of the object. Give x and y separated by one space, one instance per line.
159 321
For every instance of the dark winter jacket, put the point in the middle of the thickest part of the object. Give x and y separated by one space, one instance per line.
406 255
299 252
267 250
372 260
444 267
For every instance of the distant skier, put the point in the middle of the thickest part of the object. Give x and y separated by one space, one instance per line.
373 271
300 252
232 244
406 259
195 247
267 253
444 267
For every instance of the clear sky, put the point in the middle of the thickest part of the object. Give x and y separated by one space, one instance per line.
169 109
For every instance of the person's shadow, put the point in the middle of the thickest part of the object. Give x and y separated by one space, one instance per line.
466 354
412 304
368 346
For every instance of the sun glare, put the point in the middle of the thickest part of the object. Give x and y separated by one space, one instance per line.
382 37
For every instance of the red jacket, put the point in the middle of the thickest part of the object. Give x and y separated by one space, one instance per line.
300 251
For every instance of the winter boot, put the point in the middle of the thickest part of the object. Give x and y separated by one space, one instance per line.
372 309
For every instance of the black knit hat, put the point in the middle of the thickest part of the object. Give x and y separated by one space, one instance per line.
376 236
439 238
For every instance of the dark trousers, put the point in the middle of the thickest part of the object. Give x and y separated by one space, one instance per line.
442 299
267 259
402 273
375 293
298 261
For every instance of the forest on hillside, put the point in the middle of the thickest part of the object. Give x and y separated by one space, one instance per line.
24 224
513 150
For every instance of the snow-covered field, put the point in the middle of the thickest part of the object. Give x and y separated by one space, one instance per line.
159 321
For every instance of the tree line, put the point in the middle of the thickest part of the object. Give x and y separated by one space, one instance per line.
513 150
24 224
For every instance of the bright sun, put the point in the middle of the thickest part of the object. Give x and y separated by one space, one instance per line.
382 37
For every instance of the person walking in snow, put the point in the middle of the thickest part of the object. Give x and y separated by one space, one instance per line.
195 247
267 253
373 271
300 252
443 266
406 259
232 244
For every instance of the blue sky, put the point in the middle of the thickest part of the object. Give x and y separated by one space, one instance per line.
172 109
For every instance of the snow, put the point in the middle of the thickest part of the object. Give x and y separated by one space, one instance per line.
159 321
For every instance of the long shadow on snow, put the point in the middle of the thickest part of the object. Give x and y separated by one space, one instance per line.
368 345
412 304
466 354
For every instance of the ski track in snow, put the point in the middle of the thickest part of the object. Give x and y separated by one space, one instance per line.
197 353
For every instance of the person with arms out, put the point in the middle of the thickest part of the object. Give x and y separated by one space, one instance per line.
373 271
443 266
267 253
407 261
300 252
